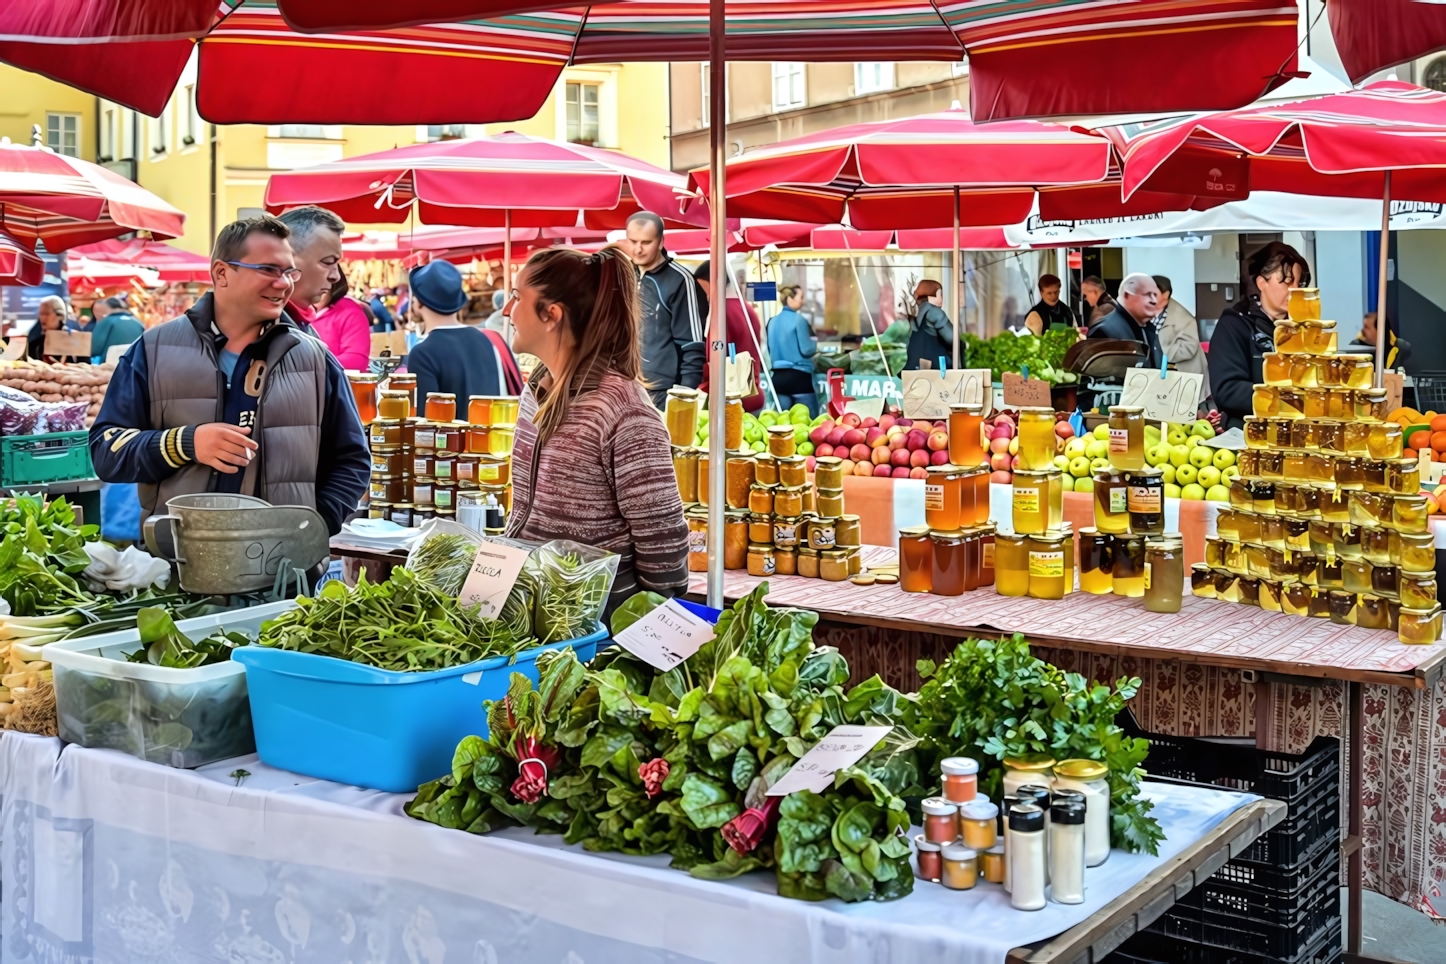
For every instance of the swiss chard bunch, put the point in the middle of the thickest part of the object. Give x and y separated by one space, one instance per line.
162 644
994 699
41 551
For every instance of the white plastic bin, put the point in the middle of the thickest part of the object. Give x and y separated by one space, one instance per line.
178 717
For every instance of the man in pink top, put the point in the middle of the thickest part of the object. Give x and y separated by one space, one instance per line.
342 326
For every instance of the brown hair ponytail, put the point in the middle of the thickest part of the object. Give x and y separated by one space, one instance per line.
598 295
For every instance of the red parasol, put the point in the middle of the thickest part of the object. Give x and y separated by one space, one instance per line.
18 264
1372 35
171 264
96 277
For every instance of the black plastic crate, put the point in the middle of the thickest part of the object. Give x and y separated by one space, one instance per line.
1314 818
1261 891
1430 390
1278 932
1149 947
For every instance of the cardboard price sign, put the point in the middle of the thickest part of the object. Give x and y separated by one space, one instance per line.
666 636
1021 392
495 569
843 747
388 343
15 348
928 394
1172 398
1395 386
738 376
59 343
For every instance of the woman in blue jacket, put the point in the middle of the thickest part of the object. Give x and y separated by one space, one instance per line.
791 346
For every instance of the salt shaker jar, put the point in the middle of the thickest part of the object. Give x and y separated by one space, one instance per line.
961 778
1026 857
1091 779
1067 853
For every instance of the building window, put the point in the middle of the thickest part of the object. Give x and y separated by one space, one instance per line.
1435 76
314 132
961 68
582 113
161 132
703 78
788 86
871 77
108 140
445 132
62 133
188 125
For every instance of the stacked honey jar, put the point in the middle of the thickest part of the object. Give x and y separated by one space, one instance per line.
1327 518
954 551
432 465
774 520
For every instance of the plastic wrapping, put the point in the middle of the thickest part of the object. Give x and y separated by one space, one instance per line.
443 556
64 416
19 413
573 582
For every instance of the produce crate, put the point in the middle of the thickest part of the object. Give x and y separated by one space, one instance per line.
1430 391
54 457
338 720
176 717
1148 947
1313 819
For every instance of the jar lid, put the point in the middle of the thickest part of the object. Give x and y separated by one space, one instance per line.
450 395
404 505
848 518
1071 813
780 430
794 489
1066 796
787 519
914 531
760 547
386 422
958 851
1200 567
789 459
764 486
829 460
807 551
826 520
938 807
958 766
827 493
1032 762
920 843
1108 472
1052 537
997 850
1148 472
1037 409
757 516
946 533
837 554
1080 769
1127 409
742 455
677 391
683 451
1026 818
979 810
1033 793
1427 613
696 512
378 504
731 515
1318 322
944 469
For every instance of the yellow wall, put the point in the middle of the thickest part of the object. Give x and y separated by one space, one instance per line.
26 98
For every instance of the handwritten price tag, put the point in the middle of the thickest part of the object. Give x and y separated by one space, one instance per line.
15 348
666 636
1025 392
843 747
1174 398
495 569
928 394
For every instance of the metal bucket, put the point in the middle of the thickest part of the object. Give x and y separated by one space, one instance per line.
225 544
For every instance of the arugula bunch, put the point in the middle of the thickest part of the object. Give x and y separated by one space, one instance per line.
994 699
162 644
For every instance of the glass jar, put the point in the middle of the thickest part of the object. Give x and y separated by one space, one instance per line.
1356 575
1369 508
1341 607
833 565
760 560
1350 473
1111 491
1385 440
965 434
1275 368
781 441
440 407
364 387
1096 562
421 491
477 439
1356 438
760 497
1371 404
1248 462
1403 476
942 497
855 560
1287 338
974 496
1011 564
987 539
788 501
765 469
785 561
680 414
941 820
830 502
1047 570
1290 402
848 531
1319 337
1127 437
444 494
732 423
1339 405
1354 371
739 485
1270 464
1262 498
1334 505
1265 401
1409 513
1202 581
390 460
1373 472
785 532
1385 581
916 559
791 472
504 410
1304 304
1257 432
1035 770
827 472
1417 552
394 405
760 528
735 539
1164 574
685 469
1313 401
479 412
452 440
1372 612
1376 545
822 533
1031 501
389 489
1249 589
697 519
947 572
808 562
1128 575
960 779
1419 625
703 478
444 467
1146 501
1417 589
960 867
385 431
1036 439
979 824
930 859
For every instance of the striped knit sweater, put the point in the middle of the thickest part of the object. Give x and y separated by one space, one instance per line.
604 479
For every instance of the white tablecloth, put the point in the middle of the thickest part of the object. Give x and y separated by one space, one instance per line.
111 859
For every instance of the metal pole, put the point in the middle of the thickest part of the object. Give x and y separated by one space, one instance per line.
959 298
717 304
1381 324
1354 731
507 253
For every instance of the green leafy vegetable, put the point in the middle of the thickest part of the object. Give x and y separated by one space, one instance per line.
162 644
442 561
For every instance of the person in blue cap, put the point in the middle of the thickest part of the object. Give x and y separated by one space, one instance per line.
453 357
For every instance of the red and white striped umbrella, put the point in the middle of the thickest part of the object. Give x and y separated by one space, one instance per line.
1372 35
170 263
102 277
18 264
65 201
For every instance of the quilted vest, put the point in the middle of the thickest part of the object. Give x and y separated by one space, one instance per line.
187 388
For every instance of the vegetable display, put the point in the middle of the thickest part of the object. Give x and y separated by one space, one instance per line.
570 585
402 625
41 551
162 644
443 558
1008 352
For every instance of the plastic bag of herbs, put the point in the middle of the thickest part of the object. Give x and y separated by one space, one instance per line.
570 583
645 762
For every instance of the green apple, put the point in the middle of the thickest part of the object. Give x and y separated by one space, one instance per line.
805 448
1097 449
1084 485
1218 493
1097 464
1185 474
1192 440
1172 491
1176 436
1102 432
1201 456
1169 476
1073 448
768 418
1152 435
1193 492
800 434
798 418
820 418
1062 462
702 433
1230 473
759 446
1203 428
1179 455
1224 458
1157 455
1079 467
1209 475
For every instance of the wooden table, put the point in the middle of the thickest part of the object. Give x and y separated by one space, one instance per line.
1267 647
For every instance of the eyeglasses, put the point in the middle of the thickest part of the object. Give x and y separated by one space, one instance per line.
273 271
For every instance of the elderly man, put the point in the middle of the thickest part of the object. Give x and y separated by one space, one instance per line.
1132 318
50 315
1098 302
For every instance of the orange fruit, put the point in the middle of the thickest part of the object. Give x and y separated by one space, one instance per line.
1409 454
1419 439
1438 441
1438 424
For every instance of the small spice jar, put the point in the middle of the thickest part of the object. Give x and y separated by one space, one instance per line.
833 565
961 778
941 820
931 863
961 867
808 562
979 824
760 560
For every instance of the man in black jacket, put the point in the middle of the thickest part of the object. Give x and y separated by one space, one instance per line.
674 314
1132 318
1246 330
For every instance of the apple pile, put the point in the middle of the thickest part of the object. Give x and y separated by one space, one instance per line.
887 446
1193 470
1001 443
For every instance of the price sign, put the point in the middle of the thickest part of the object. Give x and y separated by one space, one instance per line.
114 352
928 394
495 569
61 343
1021 392
666 636
15 348
866 407
388 343
1173 398
843 747
738 375
1395 385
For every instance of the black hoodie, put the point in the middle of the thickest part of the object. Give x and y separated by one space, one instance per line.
1242 335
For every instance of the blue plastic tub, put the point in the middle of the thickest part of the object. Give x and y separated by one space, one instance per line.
338 720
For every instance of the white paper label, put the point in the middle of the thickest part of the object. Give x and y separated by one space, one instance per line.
666 636
1173 398
843 747
495 569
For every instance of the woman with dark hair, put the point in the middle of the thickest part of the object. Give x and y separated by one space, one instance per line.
1246 330
931 333
591 460
343 325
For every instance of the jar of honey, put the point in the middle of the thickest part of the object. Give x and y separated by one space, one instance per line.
788 500
389 460
390 489
1304 304
385 431
760 560
1011 564
1371 404
765 469
966 446
785 561
848 531
444 494
833 565
1319 337
740 483
1287 338
680 414
1146 501
943 497
1111 491
781 441
1096 561
829 502
697 519
1037 500
792 472
1409 513
1164 573
785 532
822 533
1275 368
441 407
760 528
452 439
760 498
808 562
404 382
1202 581
444 467
947 573
987 540
916 559
1128 574
1419 625
1415 551
364 392
732 423
735 539
685 468
378 510
1047 573
421 491
499 440
395 405
1127 436
1036 438
827 473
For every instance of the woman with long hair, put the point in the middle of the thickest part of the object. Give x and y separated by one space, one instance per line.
591 460
931 333
792 347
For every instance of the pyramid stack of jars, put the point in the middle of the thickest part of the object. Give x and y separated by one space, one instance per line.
774 521
1327 518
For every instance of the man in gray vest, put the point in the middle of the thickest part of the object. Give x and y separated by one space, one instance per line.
231 397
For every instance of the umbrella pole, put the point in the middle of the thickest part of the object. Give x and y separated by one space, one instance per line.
717 306
507 253
959 299
1381 324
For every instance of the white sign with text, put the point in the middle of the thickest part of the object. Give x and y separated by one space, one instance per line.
495 569
1173 398
843 747
928 394
666 636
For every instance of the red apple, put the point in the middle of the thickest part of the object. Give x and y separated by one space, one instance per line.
904 422
836 436
875 436
917 440
811 464
939 441
919 458
899 457
863 468
1000 461
820 435
901 472
1000 478
859 453
1063 430
886 421
851 419
823 449
880 455
918 472
939 458
1014 462
869 422
854 436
